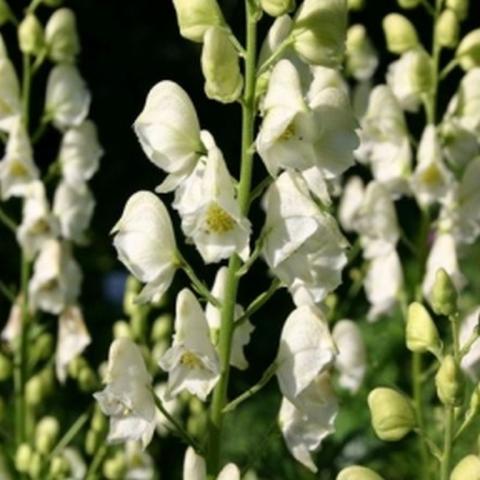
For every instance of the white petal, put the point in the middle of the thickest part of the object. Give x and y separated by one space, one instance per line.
194 466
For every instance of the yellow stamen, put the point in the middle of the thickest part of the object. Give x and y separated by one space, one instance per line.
218 220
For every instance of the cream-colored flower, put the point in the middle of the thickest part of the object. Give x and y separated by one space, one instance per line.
139 463
127 398
195 468
171 404
145 244
351 203
61 36
10 103
191 362
362 58
471 361
459 144
13 327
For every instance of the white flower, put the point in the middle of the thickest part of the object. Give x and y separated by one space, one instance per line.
361 56
191 362
195 468
10 103
384 140
140 465
171 404
169 132
61 36
73 206
306 350
17 169
459 144
443 254
351 361
80 153
210 213
471 361
73 338
303 245
305 429
242 333
56 279
145 244
127 399
13 327
76 464
350 203
67 99
38 224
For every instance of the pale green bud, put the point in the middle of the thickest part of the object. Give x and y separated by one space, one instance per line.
36 464
99 421
87 380
421 71
59 467
468 468
61 36
460 7
447 29
362 59
46 434
392 414
139 325
159 349
31 38
93 440
5 12
23 456
34 392
115 468
43 347
52 3
162 327
5 368
48 379
319 31
400 34
275 8
356 5
421 333
132 289
444 294
195 17
407 4
121 329
468 52
220 66
76 365
358 473
449 382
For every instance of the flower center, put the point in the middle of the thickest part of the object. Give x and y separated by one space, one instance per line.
18 169
218 220
190 360
432 175
288 133
40 226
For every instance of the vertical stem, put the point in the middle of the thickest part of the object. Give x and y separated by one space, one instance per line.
447 443
431 105
228 308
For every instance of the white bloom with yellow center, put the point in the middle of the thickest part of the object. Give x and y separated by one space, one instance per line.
145 244
127 398
471 361
10 103
195 468
191 362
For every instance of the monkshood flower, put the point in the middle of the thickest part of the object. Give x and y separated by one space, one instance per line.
38 224
17 168
67 100
431 179
471 361
73 338
459 144
302 245
127 398
13 327
351 360
73 206
80 153
169 132
305 429
350 203
306 350
210 213
384 141
61 36
145 244
242 333
191 362
195 468
10 103
56 279
362 58
139 464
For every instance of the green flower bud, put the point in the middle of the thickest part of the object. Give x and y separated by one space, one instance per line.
76 365
319 32
468 468
421 333
34 392
5 368
362 58
162 327
421 71
115 468
5 12
93 440
460 7
220 67
275 8
121 329
407 4
61 36
87 380
468 52
392 414
99 421
48 379
43 347
132 289
356 5
139 325
447 29
31 38
159 349
59 467
46 434
449 382
358 473
52 3
400 34
444 294
195 17
23 456
36 464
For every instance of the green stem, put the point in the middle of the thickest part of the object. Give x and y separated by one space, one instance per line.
97 462
228 308
8 222
70 434
275 55
447 443
26 88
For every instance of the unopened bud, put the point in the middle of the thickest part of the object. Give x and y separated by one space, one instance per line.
52 3
421 71
275 8
114 468
319 32
447 29
460 7
449 382
132 289
5 368
358 473
356 5
36 464
162 327
48 379
444 294
93 440
87 380
468 52
468 468
59 467
75 366
220 67
362 58
400 34
195 17
61 36
139 325
31 38
5 12
392 414
43 347
421 332
121 329
23 456
46 434
34 391
409 3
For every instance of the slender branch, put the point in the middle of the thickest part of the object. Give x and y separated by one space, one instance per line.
449 68
253 257
275 55
100 454
70 434
7 292
447 443
8 221
260 188
428 7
